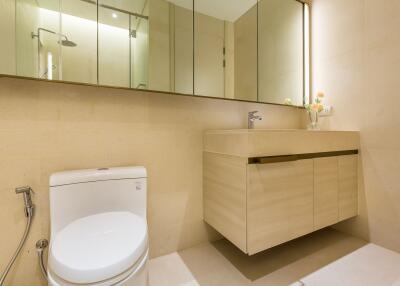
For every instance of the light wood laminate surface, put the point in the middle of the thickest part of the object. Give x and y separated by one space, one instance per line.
270 142
279 203
348 186
225 196
325 192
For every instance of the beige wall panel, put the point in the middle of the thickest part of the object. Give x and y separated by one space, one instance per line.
325 192
356 62
225 196
51 127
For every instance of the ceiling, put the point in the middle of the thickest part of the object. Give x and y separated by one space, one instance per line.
229 10
79 7
85 10
221 9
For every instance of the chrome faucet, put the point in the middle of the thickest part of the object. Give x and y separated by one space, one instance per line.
251 118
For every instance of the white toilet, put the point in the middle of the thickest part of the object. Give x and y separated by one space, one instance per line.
98 227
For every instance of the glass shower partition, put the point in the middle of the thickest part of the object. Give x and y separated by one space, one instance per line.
113 45
102 42
139 43
123 43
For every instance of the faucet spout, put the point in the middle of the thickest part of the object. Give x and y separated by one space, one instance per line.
251 118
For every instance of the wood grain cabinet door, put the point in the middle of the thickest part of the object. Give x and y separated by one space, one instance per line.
279 203
326 191
348 186
224 196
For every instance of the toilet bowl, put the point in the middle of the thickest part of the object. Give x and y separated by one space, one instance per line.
98 227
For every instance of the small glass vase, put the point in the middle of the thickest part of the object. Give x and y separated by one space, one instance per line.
313 120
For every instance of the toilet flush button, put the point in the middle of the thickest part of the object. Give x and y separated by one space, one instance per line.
138 186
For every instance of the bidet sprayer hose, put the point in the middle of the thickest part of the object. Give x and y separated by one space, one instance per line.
21 244
40 247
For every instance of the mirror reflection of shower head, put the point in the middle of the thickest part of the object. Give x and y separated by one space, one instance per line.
65 42
68 43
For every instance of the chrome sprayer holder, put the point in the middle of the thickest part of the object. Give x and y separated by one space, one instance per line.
29 206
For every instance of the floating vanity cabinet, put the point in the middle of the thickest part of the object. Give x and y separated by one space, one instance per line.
260 200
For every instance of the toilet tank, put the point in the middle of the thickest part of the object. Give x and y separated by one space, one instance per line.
76 194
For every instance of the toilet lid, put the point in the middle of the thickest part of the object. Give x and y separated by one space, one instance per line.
98 247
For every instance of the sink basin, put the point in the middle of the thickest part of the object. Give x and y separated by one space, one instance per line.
274 142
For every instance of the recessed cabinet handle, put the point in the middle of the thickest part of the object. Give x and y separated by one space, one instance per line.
273 159
296 157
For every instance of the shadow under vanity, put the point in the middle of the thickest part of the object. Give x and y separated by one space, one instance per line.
273 186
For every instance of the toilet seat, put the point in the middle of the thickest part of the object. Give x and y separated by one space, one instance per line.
98 247
138 267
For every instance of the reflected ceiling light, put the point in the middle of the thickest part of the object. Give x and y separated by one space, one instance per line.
114 15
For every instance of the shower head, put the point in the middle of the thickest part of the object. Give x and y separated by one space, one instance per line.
68 43
65 42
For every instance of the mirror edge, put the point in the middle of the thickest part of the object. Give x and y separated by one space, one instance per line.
140 90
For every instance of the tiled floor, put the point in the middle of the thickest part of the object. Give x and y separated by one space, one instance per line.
370 265
222 264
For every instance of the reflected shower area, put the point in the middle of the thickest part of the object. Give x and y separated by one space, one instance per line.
96 42
123 43
142 44
46 67
251 50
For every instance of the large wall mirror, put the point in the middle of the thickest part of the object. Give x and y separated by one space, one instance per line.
252 50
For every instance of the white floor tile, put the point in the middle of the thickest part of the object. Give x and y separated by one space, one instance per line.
370 265
222 264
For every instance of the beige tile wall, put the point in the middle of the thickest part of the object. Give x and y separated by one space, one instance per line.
49 127
356 61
